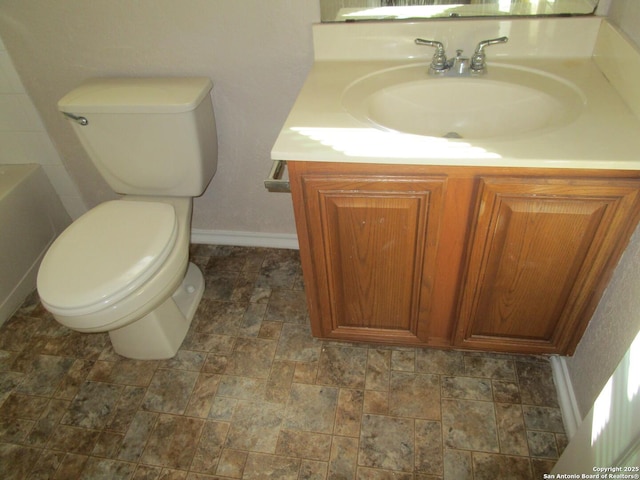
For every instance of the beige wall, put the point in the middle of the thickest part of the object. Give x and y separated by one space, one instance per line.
626 14
24 139
256 52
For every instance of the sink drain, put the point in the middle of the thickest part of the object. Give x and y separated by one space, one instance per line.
452 135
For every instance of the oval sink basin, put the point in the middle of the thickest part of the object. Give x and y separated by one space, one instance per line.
508 101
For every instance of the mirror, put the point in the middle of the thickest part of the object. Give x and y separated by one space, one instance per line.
359 10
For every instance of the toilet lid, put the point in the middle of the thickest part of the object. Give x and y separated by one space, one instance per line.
105 254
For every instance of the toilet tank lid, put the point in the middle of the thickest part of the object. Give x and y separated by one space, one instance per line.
136 95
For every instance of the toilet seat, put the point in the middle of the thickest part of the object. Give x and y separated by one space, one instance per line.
105 255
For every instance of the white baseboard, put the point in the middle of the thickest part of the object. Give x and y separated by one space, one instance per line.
245 239
566 397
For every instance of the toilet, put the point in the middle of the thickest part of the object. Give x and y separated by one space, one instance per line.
123 267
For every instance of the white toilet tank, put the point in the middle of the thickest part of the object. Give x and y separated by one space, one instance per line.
147 136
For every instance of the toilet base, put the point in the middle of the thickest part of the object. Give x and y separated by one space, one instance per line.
159 334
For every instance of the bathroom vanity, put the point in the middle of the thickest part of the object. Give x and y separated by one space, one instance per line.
500 232
500 259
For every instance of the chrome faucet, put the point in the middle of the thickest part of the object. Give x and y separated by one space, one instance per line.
459 66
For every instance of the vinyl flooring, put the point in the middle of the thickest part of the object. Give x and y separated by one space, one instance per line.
252 395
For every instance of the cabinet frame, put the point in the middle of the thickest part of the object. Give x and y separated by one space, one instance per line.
445 287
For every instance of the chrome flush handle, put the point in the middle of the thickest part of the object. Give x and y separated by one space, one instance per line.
81 120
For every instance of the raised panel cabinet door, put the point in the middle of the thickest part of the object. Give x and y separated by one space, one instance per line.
373 244
541 254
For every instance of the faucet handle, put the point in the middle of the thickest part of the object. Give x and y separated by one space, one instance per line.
493 41
478 60
439 63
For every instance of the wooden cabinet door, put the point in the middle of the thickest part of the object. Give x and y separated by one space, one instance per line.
372 242
541 254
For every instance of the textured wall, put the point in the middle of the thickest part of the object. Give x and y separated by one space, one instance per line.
626 14
257 53
611 330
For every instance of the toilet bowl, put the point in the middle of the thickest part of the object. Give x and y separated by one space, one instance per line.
123 267
120 268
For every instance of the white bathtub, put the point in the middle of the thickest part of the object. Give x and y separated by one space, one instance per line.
31 217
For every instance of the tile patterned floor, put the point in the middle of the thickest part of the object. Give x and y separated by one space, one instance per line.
252 395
